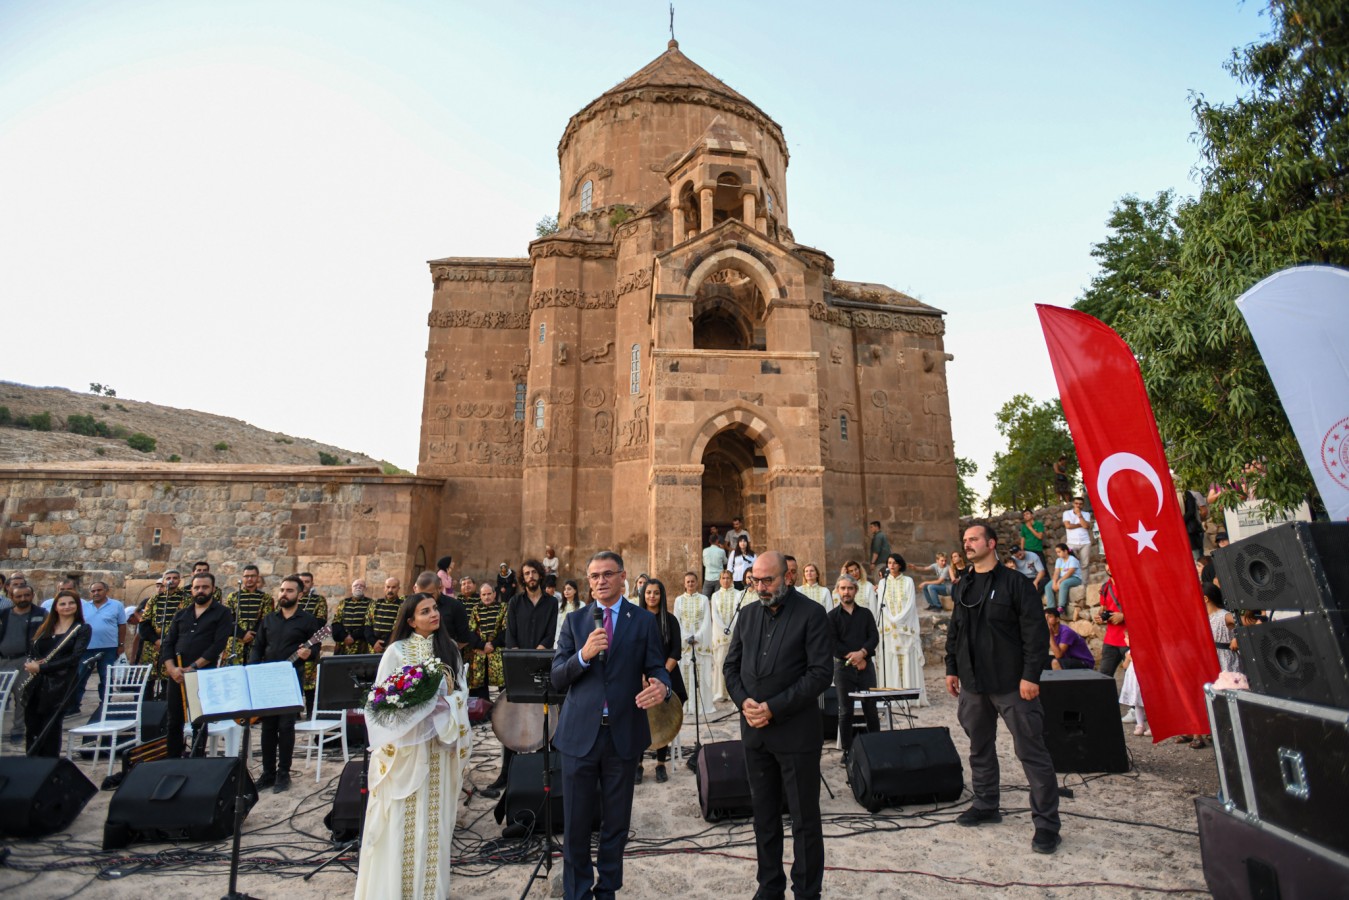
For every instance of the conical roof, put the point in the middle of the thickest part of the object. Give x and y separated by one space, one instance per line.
673 69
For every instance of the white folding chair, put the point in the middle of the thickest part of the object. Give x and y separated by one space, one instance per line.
222 738
120 721
7 680
323 727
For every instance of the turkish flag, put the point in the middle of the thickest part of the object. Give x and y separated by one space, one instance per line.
1125 468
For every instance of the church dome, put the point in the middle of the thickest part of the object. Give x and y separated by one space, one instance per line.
617 149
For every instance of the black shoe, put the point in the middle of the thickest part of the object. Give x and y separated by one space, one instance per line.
282 784
638 775
493 790
267 780
1045 841
844 762
972 817
661 774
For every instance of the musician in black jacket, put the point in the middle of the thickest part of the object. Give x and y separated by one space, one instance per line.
286 634
194 640
853 632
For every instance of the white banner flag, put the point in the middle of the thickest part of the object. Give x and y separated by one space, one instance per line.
1300 321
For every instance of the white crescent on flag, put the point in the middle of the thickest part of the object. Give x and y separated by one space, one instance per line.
1129 462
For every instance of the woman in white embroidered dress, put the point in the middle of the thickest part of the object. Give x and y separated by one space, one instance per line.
866 592
416 768
902 664
813 589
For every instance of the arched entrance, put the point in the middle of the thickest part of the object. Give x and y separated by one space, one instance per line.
733 474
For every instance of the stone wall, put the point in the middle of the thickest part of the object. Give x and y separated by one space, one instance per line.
125 523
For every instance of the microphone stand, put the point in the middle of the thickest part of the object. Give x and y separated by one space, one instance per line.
697 704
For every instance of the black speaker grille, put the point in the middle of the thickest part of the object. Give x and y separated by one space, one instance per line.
1261 574
1287 658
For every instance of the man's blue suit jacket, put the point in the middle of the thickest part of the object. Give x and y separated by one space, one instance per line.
636 651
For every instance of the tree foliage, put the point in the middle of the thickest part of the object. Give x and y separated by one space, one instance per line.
1274 170
545 226
968 499
1037 435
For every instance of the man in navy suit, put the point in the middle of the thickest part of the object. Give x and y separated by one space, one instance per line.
780 661
616 675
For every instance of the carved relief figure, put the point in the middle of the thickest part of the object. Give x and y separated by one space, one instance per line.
602 437
595 356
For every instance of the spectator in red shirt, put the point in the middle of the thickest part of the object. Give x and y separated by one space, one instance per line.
1112 617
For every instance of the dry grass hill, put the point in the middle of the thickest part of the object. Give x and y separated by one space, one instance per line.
179 434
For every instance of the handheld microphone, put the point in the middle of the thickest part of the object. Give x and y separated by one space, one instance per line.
598 613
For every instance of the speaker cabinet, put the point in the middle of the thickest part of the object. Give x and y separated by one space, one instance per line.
347 816
1299 658
828 704
723 782
1296 565
915 765
40 796
176 800
1082 726
521 806
1244 859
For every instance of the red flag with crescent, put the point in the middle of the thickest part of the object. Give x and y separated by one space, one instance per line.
1142 529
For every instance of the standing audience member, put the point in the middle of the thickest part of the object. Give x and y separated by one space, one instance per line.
740 560
445 573
1077 528
550 561
714 563
284 635
195 639
779 663
1062 488
571 601
106 619
855 639
18 629
1132 697
58 647
995 652
1221 622
880 546
1114 645
736 532
1033 536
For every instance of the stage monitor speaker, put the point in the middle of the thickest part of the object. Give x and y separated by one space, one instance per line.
723 782
1303 657
40 796
176 800
347 816
520 809
1296 565
1246 859
1082 725
915 765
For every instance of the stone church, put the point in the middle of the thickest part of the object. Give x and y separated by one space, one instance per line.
672 357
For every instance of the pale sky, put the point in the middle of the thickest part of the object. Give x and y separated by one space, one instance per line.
228 206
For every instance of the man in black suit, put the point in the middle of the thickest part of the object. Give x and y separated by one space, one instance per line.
617 673
778 665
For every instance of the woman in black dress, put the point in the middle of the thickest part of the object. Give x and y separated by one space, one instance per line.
64 636
654 601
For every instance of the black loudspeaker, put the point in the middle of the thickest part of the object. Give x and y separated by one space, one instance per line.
40 795
1297 565
347 816
915 765
521 805
1299 658
1245 859
723 781
176 800
1082 726
829 715
154 719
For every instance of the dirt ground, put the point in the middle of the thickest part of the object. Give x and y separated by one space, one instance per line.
1130 835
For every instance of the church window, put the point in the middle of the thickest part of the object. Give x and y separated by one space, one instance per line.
158 538
843 426
587 195
635 371
538 413
519 401
304 532
543 331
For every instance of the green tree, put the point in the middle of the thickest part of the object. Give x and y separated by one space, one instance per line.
142 442
966 468
1274 167
545 226
1137 259
1037 435
327 459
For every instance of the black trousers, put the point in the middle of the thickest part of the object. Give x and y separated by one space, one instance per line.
847 679
1111 657
978 714
173 733
602 778
278 744
795 776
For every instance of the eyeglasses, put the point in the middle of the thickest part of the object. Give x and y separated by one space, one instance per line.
603 576
762 582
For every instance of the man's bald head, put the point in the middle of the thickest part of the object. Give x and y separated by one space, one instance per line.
774 563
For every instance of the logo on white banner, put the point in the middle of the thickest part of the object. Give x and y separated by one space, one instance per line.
1335 452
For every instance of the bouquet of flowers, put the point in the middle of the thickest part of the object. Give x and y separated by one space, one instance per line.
405 692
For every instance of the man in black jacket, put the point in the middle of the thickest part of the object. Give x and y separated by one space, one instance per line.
776 668
995 651
852 629
282 635
18 624
195 638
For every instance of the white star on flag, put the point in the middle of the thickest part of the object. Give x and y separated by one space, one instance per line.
1144 538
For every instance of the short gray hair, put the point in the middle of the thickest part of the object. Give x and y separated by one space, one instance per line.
846 577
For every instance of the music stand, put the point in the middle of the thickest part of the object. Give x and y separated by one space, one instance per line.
529 679
345 683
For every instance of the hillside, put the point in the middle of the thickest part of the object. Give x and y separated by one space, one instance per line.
190 435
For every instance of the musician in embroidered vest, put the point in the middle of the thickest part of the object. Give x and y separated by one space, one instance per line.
283 635
248 604
155 621
349 621
314 603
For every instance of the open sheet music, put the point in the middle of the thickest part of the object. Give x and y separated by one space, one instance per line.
239 689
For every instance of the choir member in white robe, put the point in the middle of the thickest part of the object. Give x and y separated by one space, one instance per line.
866 591
724 602
814 590
416 769
901 650
694 613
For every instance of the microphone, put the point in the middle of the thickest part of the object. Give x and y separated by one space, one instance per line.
598 613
